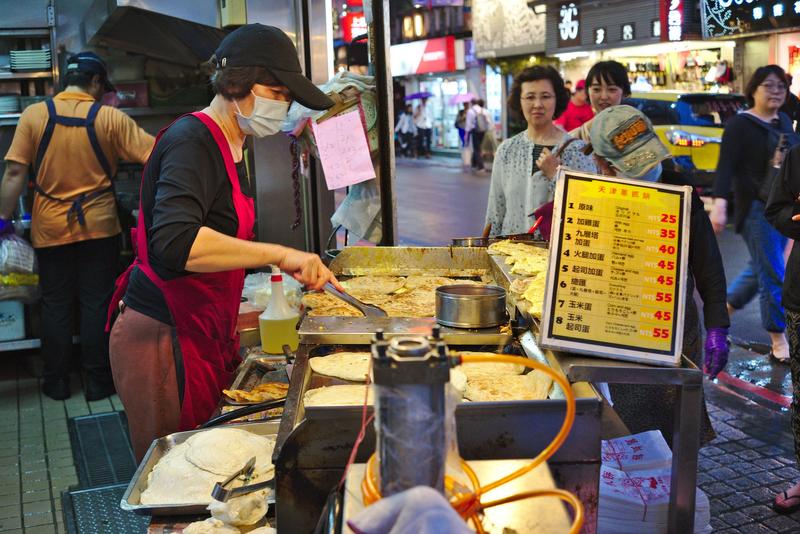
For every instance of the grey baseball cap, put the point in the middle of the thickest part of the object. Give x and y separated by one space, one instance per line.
624 136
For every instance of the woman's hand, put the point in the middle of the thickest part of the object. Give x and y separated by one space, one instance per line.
719 215
548 163
308 269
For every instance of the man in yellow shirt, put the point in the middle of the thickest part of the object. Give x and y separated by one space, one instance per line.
71 144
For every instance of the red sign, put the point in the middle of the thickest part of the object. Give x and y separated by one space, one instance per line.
353 25
355 3
672 20
423 57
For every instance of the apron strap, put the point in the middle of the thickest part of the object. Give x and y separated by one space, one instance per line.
53 118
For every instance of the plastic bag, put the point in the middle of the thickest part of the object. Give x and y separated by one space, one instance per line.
18 266
16 255
258 289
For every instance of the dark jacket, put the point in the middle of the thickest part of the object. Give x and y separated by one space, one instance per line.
782 205
705 260
743 161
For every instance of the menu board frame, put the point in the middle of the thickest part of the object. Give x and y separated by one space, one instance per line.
583 343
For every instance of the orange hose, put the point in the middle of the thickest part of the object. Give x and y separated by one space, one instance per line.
469 505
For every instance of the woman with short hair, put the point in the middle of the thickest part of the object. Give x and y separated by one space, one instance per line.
174 344
748 156
607 85
525 165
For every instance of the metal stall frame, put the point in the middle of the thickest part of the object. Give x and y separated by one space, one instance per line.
379 41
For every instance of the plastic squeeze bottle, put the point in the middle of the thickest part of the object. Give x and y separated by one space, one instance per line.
278 322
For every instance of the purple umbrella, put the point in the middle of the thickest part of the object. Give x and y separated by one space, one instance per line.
459 99
415 96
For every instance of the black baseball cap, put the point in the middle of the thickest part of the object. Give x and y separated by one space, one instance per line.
90 63
257 45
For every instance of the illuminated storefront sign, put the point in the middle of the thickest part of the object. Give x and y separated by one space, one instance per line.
569 25
723 18
672 20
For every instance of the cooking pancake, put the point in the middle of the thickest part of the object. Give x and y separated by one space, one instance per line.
375 284
225 450
352 366
325 305
415 281
488 369
417 303
175 480
260 393
210 526
533 386
530 265
340 395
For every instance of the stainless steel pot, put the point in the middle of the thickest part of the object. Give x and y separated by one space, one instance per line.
469 306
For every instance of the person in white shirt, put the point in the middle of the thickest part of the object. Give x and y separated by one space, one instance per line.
478 123
406 131
424 123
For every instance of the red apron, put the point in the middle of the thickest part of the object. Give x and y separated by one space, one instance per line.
204 306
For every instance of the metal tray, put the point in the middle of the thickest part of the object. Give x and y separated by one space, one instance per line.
157 450
254 372
456 262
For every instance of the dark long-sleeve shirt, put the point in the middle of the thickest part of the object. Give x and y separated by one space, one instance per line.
705 260
743 161
782 205
185 186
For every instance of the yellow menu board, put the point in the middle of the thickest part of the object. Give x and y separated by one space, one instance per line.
618 254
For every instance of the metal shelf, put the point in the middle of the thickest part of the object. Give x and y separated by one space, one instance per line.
27 344
33 75
44 33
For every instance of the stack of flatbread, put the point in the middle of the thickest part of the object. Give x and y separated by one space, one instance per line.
502 381
260 393
530 264
480 381
414 296
339 395
352 366
188 472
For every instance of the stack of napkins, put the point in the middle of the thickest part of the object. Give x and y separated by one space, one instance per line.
634 487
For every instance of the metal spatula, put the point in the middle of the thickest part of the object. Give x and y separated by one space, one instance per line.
368 310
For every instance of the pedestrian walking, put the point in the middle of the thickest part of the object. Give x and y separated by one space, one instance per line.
645 158
424 123
522 176
579 109
782 211
478 123
752 145
406 132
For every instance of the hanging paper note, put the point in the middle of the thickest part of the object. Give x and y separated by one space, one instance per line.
343 150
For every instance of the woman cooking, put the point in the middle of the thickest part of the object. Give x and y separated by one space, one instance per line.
173 345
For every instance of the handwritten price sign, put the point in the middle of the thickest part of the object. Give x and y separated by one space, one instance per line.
343 150
617 265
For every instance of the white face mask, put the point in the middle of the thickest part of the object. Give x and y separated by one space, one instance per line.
266 119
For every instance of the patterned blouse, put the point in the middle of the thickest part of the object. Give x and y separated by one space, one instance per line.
514 193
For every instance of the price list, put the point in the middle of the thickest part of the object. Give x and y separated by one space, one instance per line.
616 269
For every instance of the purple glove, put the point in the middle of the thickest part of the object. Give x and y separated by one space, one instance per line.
716 351
6 226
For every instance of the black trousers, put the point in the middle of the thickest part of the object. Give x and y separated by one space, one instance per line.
85 271
477 157
424 141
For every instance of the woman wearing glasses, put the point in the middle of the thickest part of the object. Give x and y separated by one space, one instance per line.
752 148
523 174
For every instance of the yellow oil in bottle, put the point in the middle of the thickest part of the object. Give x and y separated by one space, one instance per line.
275 333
